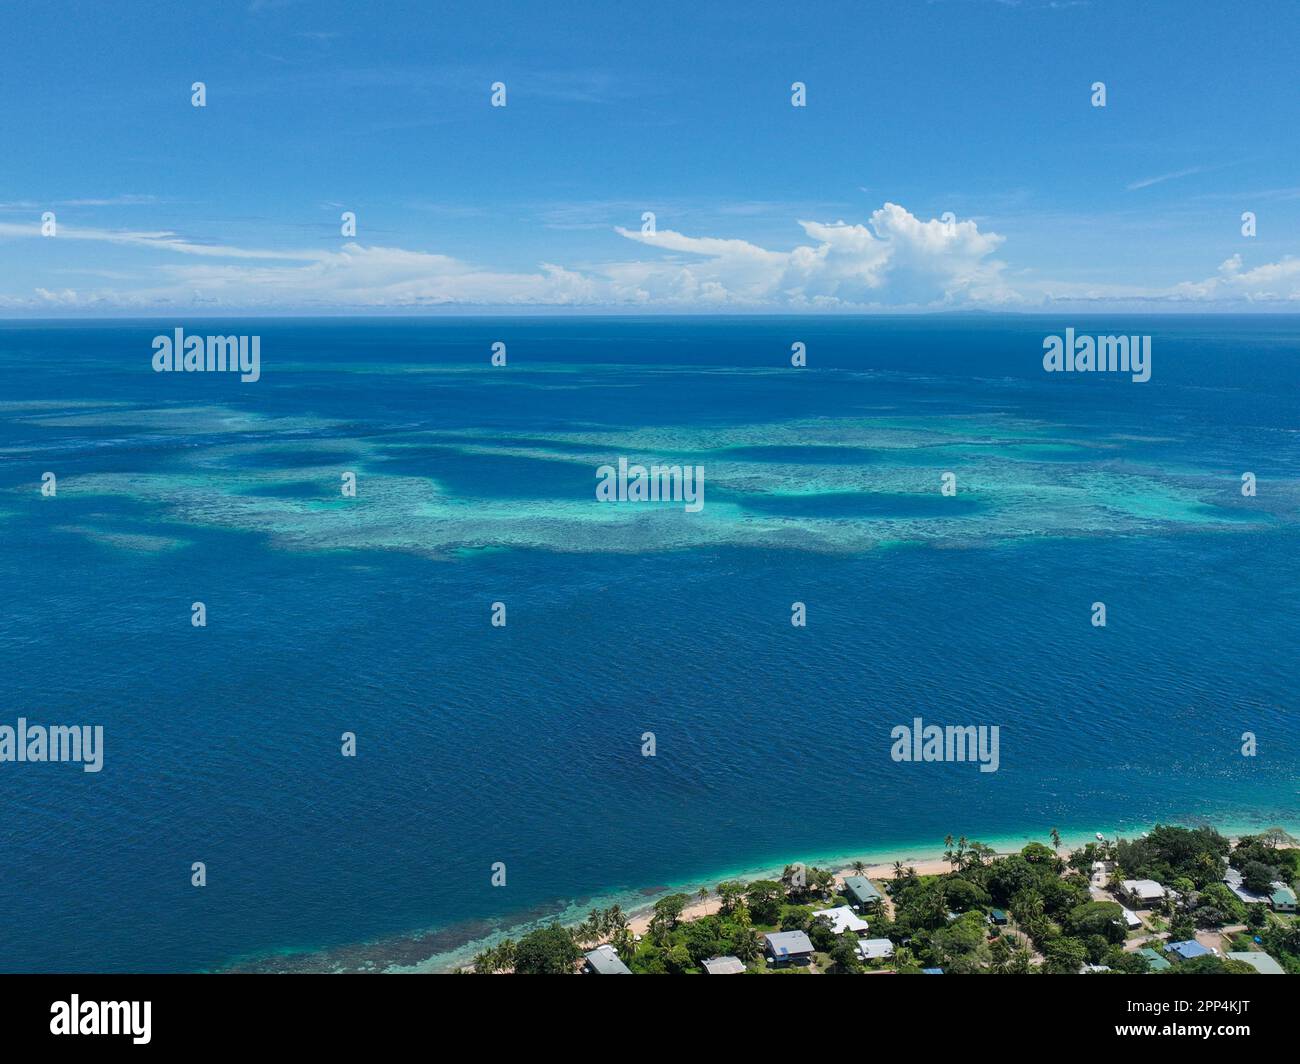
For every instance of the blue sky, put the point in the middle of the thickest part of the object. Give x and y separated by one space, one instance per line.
976 107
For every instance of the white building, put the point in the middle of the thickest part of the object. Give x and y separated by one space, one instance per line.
871 949
842 919
1143 891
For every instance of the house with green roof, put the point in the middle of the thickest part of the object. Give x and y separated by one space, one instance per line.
1282 899
1261 962
860 890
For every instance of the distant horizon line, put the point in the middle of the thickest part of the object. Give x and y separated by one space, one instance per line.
568 312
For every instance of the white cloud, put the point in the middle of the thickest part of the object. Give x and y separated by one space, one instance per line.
372 276
161 239
896 261
1271 282
1162 178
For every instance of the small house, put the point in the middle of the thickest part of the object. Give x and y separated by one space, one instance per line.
842 919
1143 892
1261 962
1188 949
1282 899
789 947
603 960
875 949
860 891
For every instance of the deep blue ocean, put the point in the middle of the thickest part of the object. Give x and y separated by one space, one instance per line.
522 744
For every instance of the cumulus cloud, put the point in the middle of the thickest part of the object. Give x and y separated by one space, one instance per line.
895 260
1271 282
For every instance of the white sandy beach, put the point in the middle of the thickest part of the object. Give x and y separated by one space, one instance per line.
924 866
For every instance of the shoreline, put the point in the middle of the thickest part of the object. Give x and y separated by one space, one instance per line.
639 920
927 858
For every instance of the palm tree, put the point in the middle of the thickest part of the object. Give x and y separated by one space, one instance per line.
702 894
1011 957
729 893
624 943
745 944
1056 839
947 842
1026 906
659 930
934 909
898 869
859 867
498 958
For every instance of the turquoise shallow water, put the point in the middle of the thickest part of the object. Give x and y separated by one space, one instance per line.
522 745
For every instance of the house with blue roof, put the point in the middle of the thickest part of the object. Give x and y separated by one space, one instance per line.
1188 949
789 947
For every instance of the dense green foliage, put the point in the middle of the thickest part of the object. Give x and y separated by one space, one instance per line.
548 951
1168 854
